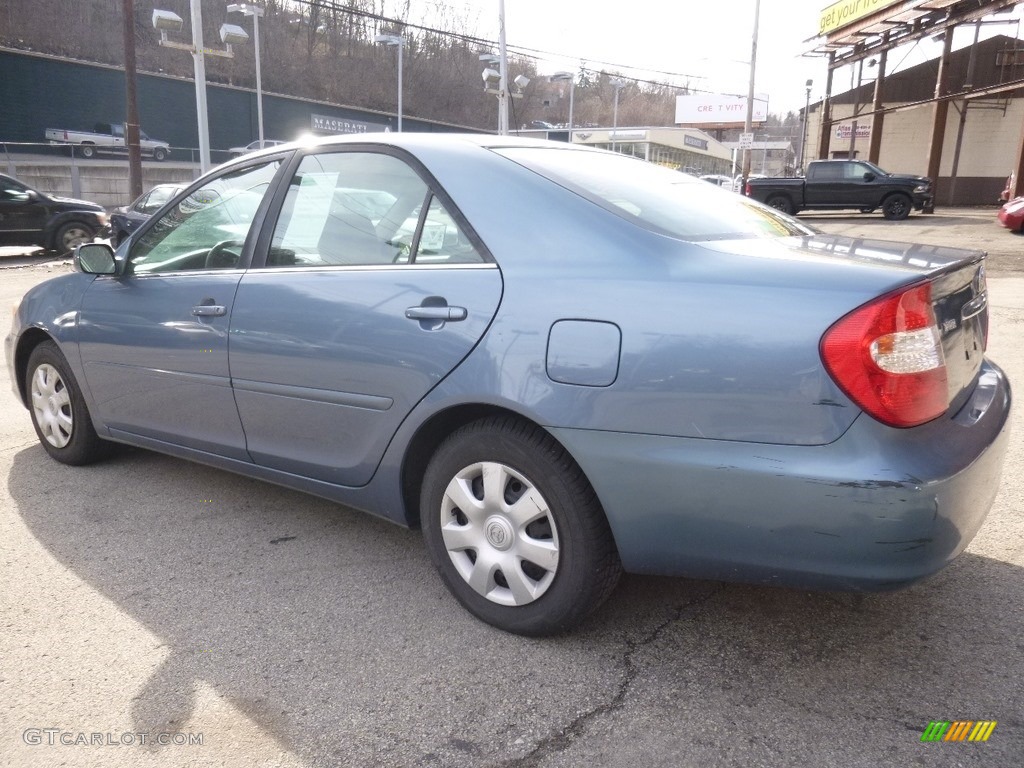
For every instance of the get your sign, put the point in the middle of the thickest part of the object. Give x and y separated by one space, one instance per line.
845 12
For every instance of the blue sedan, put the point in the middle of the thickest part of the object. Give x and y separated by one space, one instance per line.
559 363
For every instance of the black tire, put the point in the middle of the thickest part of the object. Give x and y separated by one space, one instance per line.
781 203
88 151
896 207
525 464
59 414
71 234
159 154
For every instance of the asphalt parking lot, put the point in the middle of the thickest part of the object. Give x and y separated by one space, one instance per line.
150 596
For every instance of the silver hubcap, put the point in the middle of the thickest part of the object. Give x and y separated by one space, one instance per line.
499 533
51 404
74 237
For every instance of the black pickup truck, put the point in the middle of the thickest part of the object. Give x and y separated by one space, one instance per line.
837 184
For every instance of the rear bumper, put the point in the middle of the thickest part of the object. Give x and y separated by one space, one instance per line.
877 509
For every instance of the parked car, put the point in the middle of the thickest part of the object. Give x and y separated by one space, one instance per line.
539 125
29 217
635 371
1011 215
1004 196
718 179
252 146
126 219
737 183
107 137
839 184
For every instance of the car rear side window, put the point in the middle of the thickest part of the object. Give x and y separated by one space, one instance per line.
363 209
659 199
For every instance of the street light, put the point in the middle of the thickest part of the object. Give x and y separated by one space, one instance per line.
617 83
256 11
571 78
807 115
493 81
230 34
399 42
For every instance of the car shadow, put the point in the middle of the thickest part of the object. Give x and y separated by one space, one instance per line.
330 630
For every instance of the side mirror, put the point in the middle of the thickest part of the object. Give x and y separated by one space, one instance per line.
869 176
95 259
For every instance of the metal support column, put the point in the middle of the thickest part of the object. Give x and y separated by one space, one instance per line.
826 111
940 114
877 119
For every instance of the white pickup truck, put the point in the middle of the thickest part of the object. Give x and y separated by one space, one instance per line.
108 137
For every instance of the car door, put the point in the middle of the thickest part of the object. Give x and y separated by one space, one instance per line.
370 291
22 215
823 186
154 339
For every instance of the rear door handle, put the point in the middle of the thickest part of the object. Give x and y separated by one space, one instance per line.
209 310
436 313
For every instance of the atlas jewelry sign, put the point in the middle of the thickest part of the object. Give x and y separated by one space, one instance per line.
718 109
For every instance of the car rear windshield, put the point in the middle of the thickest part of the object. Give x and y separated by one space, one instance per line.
662 200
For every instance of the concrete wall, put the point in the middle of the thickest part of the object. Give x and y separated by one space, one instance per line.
103 183
987 153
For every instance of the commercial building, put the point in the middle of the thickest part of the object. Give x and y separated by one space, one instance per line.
683 149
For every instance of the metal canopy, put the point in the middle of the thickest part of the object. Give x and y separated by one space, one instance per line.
899 24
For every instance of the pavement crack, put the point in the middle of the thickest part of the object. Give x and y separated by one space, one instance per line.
566 737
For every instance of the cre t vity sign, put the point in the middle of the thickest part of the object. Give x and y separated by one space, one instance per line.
713 109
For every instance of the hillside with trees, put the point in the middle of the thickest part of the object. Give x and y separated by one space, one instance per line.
324 50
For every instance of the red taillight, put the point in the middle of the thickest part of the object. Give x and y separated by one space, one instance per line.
887 357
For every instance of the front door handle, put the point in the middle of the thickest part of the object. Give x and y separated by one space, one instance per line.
209 310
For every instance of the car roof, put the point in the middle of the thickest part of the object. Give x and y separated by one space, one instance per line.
413 141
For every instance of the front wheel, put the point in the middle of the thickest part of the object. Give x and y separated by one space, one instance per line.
72 235
515 530
59 414
896 207
159 154
781 203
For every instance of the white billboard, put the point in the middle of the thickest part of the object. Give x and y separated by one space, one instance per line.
714 108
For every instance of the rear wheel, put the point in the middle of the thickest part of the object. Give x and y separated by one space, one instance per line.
88 151
59 414
896 207
781 203
515 529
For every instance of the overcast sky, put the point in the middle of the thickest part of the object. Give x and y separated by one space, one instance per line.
709 41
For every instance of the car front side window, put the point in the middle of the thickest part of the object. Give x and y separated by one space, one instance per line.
208 228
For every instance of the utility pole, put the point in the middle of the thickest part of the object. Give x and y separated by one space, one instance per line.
131 123
503 94
748 124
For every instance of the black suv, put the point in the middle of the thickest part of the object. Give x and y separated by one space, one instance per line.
29 217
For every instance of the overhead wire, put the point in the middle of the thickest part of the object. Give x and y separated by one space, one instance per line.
523 51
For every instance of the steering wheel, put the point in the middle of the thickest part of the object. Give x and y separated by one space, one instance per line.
222 257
